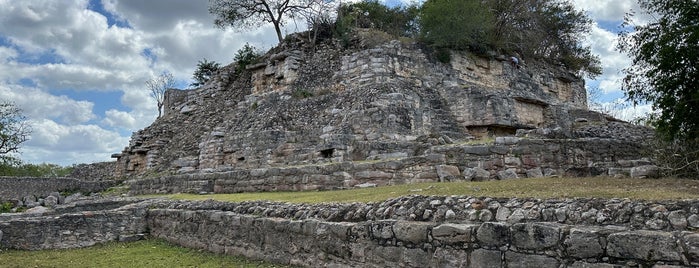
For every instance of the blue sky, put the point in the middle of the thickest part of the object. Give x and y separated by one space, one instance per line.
77 68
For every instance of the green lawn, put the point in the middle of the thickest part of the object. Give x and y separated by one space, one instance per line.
145 253
600 187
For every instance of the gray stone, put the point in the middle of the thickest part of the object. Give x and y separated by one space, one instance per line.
483 258
450 233
50 201
515 259
535 236
493 234
643 245
37 210
646 171
584 243
411 232
691 244
509 173
677 219
693 220
535 173
448 172
502 214
581 264
476 174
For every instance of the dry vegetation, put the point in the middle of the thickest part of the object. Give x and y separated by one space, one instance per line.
597 187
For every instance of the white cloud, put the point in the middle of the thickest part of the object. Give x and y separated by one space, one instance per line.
53 141
120 119
36 103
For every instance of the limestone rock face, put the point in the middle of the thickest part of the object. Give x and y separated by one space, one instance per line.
301 106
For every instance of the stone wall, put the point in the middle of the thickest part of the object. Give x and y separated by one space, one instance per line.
505 158
72 230
391 243
19 187
94 171
394 233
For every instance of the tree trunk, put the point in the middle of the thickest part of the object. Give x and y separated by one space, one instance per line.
279 31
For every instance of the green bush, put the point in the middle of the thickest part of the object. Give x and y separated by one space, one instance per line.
17 169
245 56
457 24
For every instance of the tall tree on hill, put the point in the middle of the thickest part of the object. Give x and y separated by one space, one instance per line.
241 14
157 87
14 130
665 72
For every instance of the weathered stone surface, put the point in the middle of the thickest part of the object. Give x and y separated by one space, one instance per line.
493 234
482 258
691 244
647 171
584 243
535 236
450 233
515 259
448 172
411 232
581 264
643 245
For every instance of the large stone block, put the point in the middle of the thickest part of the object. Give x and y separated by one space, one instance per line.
643 245
493 234
515 259
584 243
411 232
483 258
535 236
448 173
450 233
691 244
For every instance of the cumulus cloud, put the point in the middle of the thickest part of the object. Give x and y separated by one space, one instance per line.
36 103
51 138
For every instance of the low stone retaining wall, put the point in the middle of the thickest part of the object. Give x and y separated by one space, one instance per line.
72 230
391 243
506 158
19 187
450 231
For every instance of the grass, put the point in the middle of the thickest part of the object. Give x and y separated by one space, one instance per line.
144 253
596 187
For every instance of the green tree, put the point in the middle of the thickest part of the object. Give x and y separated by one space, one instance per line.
665 54
457 24
14 130
205 70
243 14
545 29
157 87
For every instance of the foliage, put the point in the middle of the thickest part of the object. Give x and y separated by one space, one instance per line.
157 87
205 70
14 130
457 24
665 54
144 253
34 170
545 29
397 21
245 56
244 14
548 30
5 207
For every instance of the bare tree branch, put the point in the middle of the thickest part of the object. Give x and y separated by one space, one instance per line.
157 87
